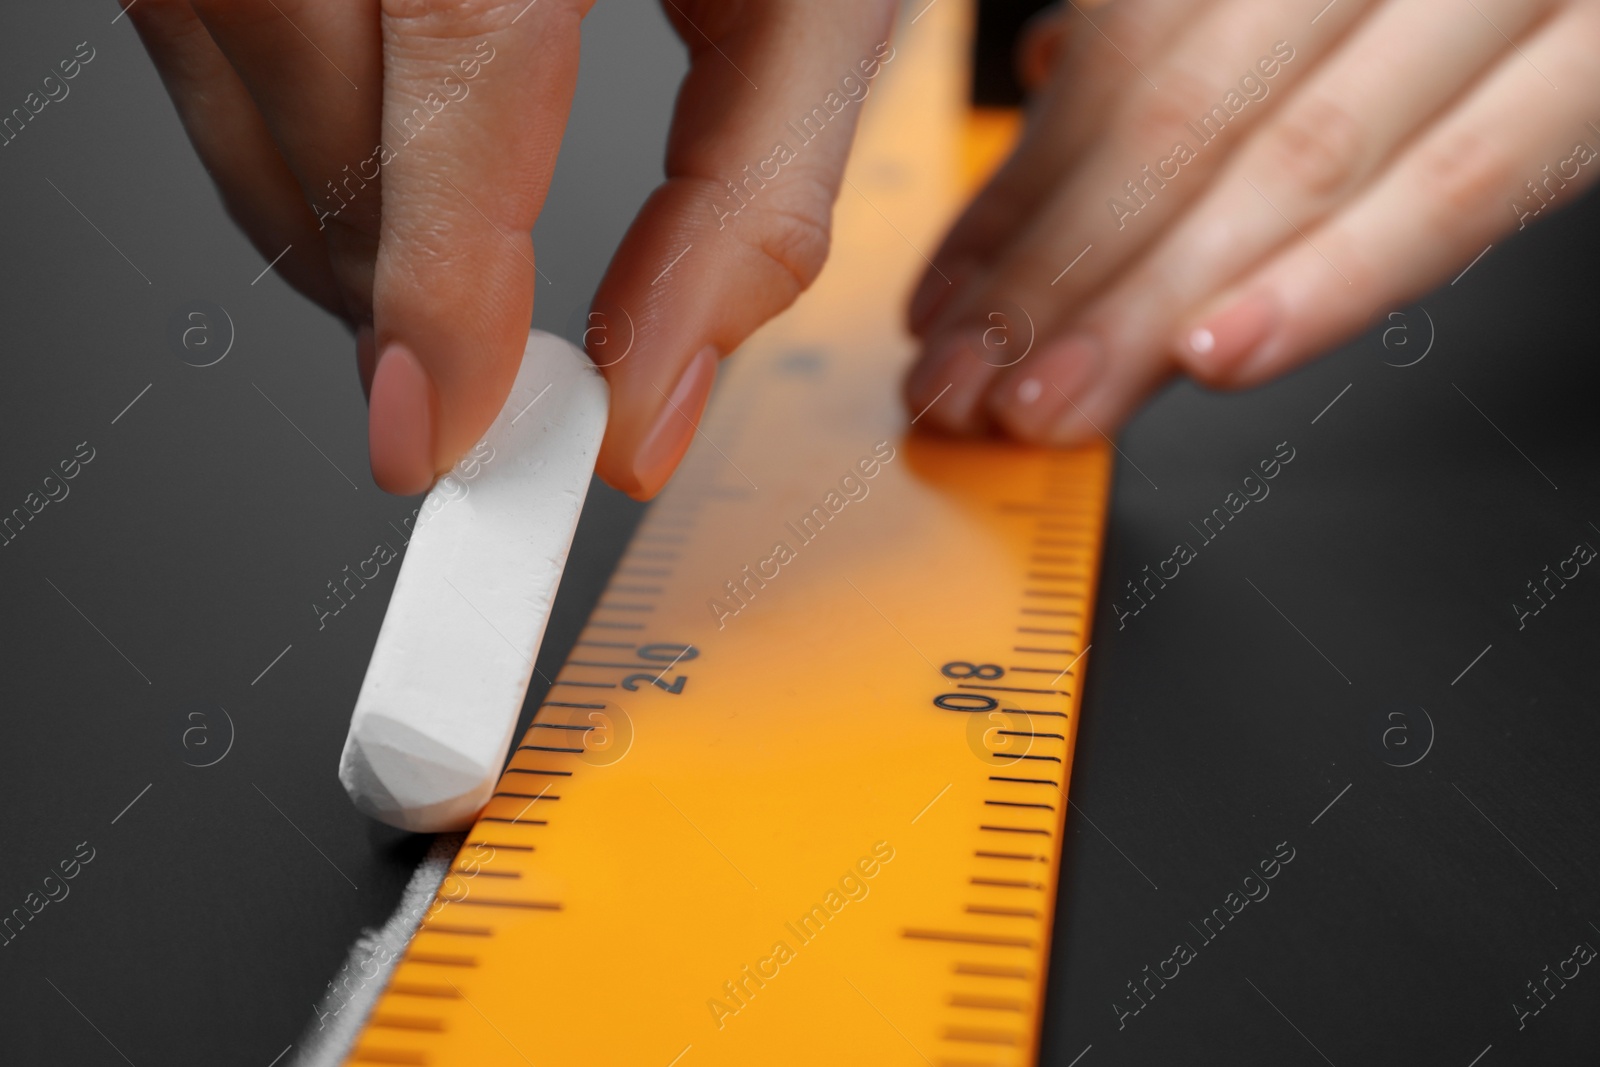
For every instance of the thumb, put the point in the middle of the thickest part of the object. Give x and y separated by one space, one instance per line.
741 225
475 99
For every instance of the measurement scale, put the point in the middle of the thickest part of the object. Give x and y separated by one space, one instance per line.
798 793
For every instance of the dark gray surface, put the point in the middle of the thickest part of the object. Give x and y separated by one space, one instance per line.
196 542
1217 725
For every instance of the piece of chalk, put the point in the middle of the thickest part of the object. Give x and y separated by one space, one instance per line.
451 668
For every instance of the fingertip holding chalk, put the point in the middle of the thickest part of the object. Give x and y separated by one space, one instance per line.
455 654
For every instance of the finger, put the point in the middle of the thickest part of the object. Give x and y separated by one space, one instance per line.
1391 76
1221 79
235 146
486 89
1104 51
1042 45
740 227
315 72
1485 169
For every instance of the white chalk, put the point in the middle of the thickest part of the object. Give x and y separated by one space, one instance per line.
451 668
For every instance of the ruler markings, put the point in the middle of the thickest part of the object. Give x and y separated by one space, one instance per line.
455 931
750 689
1010 913
968 1000
406 1022
982 1037
992 970
414 989
619 666
1012 689
439 959
967 938
479 872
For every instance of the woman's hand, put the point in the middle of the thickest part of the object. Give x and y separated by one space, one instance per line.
1228 187
401 150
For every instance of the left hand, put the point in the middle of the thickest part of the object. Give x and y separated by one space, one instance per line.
1226 189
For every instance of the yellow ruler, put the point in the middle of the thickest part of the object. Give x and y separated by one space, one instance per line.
798 794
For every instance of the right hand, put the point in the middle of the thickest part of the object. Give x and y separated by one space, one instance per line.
404 148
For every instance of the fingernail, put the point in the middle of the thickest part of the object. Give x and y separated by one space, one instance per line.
1033 398
400 422
1222 342
366 356
946 390
673 431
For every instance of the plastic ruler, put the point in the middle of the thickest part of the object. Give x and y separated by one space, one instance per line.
798 794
